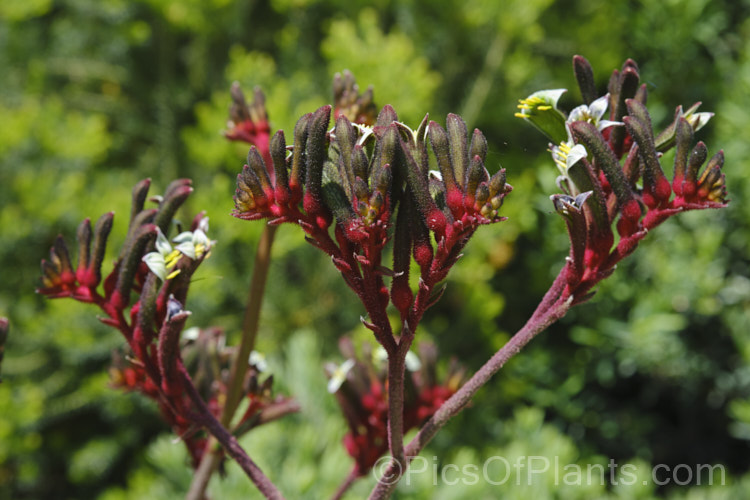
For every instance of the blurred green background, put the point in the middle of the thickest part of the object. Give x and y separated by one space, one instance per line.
98 94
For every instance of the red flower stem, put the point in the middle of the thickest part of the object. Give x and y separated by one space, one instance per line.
552 294
227 440
539 321
397 357
396 362
344 487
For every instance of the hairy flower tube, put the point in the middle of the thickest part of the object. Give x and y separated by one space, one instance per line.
359 385
612 173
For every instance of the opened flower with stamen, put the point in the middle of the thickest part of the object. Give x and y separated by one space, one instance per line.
593 113
540 109
163 261
193 244
567 153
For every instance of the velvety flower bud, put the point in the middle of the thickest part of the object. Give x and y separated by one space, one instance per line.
359 162
279 158
175 195
101 233
316 153
457 133
298 173
585 76
361 190
140 192
258 166
684 141
592 139
478 145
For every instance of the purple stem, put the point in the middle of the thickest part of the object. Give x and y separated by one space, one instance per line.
228 441
553 306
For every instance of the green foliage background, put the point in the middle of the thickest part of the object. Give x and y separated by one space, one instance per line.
97 94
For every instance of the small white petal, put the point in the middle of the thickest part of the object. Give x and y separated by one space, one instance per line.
380 355
203 224
162 244
339 376
598 107
413 363
698 120
183 237
199 237
608 123
579 114
155 262
187 248
258 360
551 96
191 333
577 153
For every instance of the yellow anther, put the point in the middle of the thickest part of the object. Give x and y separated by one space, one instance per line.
171 259
199 249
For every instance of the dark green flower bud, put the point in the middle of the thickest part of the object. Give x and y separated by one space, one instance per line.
457 137
587 134
140 192
440 145
359 162
278 155
83 236
258 166
298 174
176 194
683 140
584 74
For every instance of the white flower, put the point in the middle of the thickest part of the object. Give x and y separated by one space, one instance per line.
338 377
412 361
194 243
567 154
164 259
541 100
540 109
593 114
191 333
258 360
696 120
